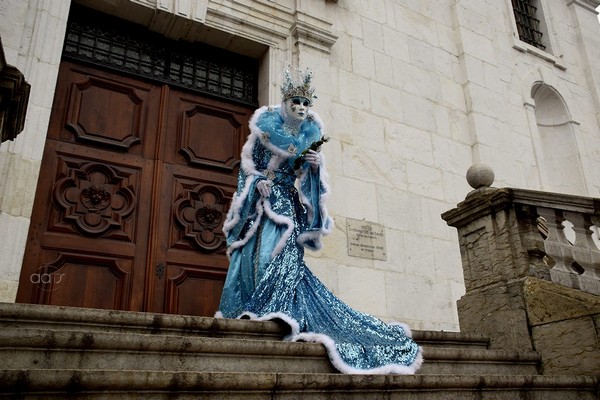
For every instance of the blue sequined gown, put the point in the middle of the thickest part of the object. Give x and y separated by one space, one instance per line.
268 278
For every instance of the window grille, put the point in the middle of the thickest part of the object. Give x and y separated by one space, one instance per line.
528 25
104 40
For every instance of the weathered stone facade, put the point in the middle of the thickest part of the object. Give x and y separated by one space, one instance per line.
412 93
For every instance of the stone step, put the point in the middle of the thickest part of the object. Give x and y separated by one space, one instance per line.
450 339
28 348
23 316
48 349
150 385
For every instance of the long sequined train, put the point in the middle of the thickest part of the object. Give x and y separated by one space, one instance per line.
266 237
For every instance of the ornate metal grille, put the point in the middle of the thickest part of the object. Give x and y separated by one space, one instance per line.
528 25
120 45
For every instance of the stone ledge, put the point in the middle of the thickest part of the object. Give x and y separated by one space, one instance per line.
450 339
564 327
90 319
548 302
34 348
211 385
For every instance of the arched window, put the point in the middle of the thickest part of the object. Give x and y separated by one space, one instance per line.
558 142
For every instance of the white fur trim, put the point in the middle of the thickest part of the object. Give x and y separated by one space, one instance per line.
329 344
327 221
404 327
239 243
341 366
279 220
257 133
263 206
233 216
293 324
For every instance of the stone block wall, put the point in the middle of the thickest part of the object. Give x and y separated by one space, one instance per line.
411 92
565 327
32 34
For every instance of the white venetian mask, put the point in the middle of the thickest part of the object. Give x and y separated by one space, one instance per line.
297 108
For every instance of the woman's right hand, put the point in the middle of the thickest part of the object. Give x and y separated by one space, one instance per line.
314 159
264 188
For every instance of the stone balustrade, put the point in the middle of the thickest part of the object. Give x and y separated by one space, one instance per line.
531 263
540 234
574 259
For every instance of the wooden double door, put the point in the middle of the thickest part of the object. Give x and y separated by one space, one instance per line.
135 183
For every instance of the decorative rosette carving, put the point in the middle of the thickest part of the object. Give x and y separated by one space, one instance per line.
200 213
94 198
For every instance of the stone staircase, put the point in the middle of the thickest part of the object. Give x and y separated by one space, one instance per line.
62 352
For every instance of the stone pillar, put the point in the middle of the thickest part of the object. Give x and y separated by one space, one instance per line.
32 36
494 264
514 294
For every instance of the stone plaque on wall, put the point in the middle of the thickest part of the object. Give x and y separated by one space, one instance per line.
365 239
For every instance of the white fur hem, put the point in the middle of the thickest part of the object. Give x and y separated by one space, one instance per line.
334 356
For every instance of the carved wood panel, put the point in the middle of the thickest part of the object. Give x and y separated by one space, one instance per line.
185 283
135 182
105 110
83 280
205 134
199 213
193 238
106 113
94 198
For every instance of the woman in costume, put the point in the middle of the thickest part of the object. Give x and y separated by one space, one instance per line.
277 211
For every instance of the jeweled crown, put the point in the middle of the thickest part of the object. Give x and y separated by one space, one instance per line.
297 88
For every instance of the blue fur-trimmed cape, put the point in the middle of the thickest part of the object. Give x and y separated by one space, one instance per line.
268 278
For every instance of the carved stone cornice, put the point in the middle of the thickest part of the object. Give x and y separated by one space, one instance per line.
270 23
14 95
245 26
486 201
312 32
590 5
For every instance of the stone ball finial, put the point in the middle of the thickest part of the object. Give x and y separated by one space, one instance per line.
480 175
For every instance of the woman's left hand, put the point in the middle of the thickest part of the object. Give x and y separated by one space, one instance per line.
314 159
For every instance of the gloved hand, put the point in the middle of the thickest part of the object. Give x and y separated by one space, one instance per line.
314 159
264 187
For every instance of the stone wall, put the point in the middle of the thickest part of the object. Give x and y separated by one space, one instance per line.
32 34
565 327
531 314
412 93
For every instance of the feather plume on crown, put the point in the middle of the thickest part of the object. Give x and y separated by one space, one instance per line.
298 88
